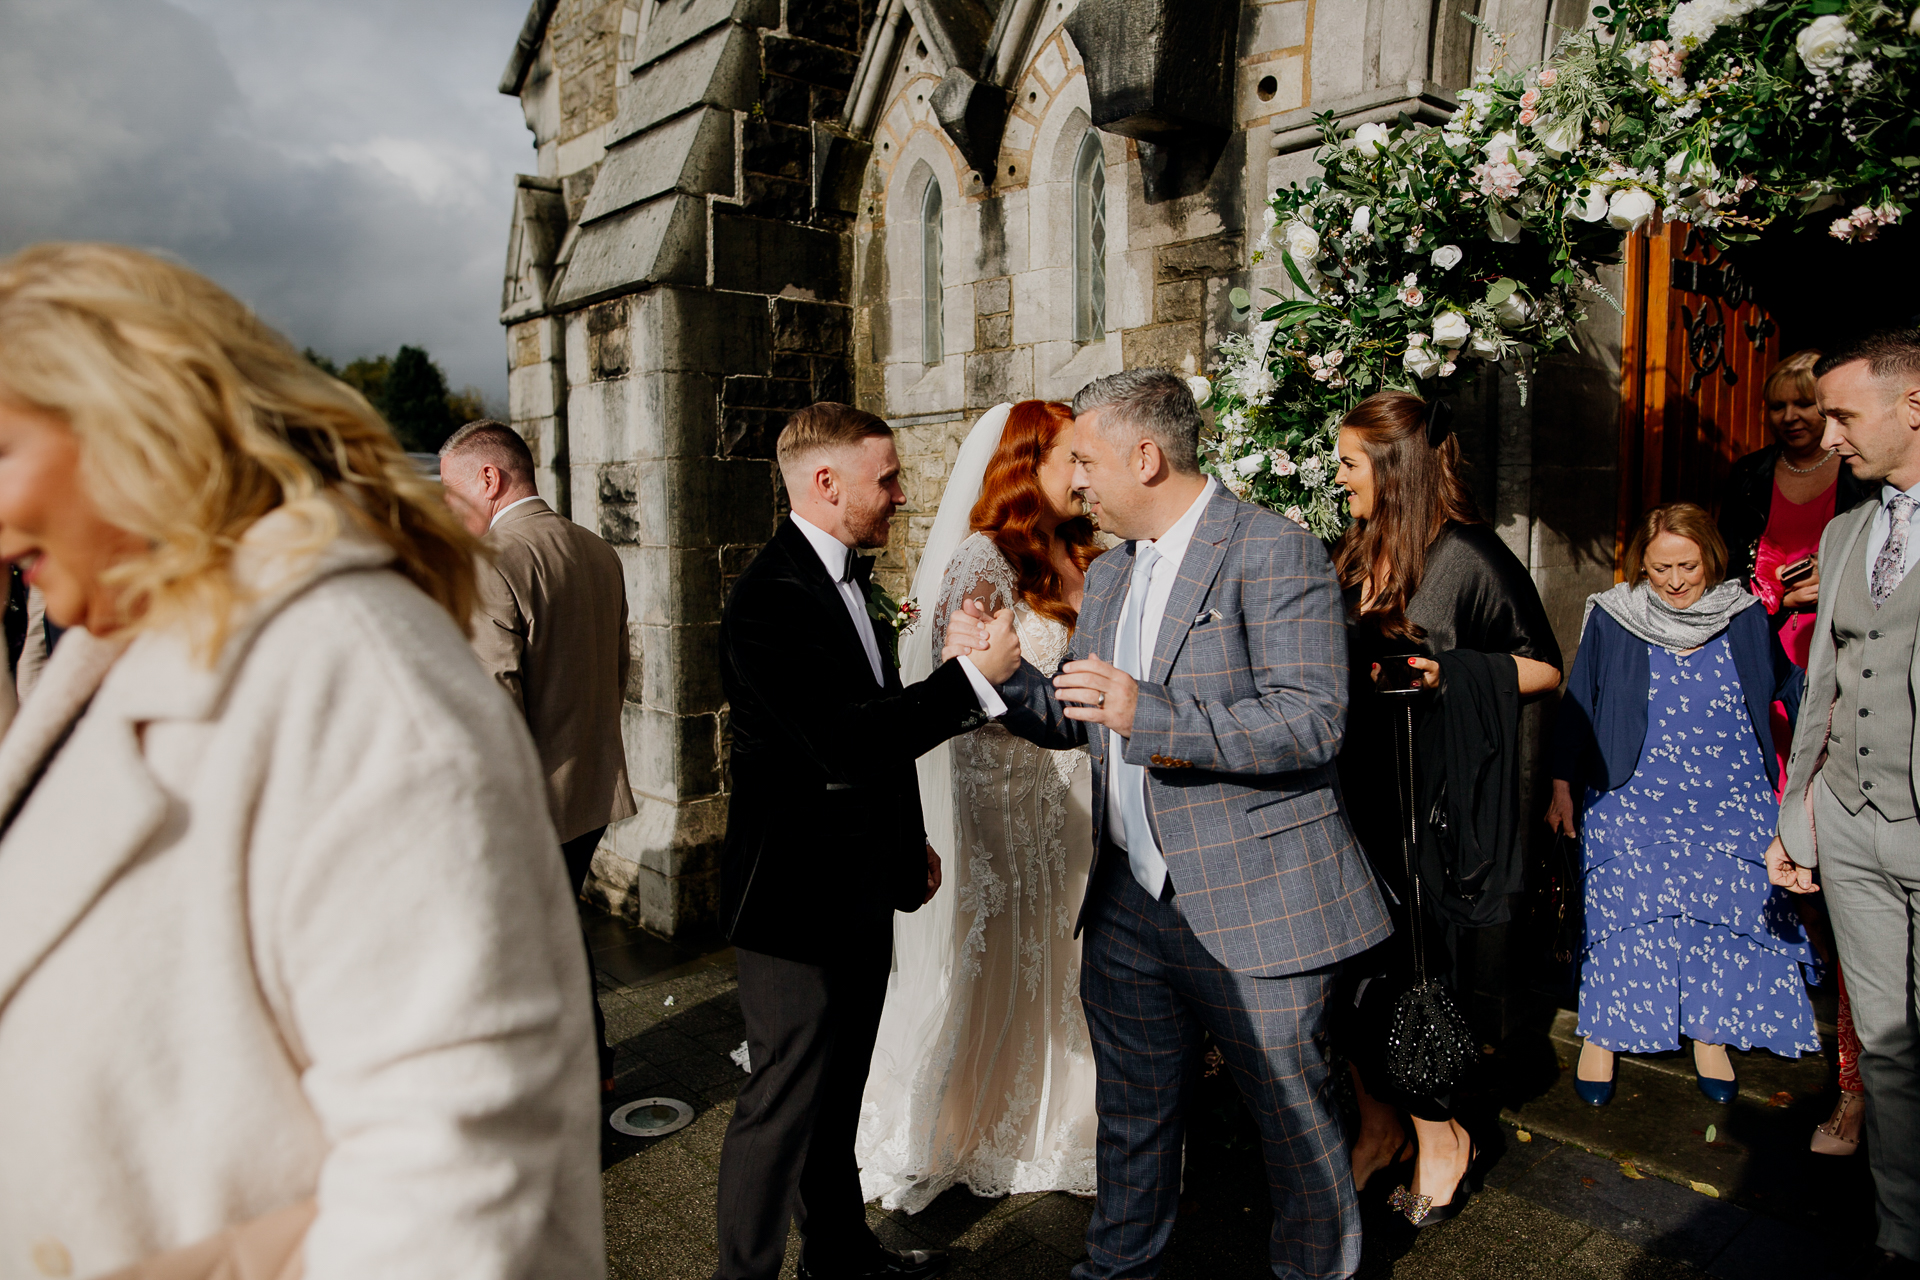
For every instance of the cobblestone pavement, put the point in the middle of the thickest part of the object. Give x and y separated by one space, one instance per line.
1661 1184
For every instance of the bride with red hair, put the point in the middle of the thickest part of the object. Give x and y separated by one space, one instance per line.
983 1073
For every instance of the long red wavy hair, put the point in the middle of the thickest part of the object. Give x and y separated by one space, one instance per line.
1012 506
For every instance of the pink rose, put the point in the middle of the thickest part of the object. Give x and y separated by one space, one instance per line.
1526 117
1547 78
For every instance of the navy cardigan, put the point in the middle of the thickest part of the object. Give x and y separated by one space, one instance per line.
1602 722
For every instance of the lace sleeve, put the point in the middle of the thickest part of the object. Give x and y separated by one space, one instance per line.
977 572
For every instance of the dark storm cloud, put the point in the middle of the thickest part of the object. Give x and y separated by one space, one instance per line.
344 167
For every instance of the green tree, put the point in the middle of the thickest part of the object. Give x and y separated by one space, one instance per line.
415 401
368 376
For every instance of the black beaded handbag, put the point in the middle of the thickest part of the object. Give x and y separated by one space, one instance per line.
1428 1043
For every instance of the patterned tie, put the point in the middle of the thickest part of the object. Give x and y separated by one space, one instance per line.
1149 868
1890 566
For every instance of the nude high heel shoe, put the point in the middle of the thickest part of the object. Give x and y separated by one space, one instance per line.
1826 1137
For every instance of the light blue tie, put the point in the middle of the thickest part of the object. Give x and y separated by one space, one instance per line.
1149 868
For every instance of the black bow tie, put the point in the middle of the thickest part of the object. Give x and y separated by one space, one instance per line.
858 569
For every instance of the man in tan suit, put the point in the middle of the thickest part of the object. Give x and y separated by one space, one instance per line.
551 627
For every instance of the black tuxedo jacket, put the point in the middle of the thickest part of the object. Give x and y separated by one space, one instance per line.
825 838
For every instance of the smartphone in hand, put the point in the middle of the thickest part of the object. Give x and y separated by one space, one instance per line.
1799 571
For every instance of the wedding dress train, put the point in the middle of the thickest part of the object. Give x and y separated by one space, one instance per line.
983 1074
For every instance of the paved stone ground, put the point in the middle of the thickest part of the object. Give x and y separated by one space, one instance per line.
1633 1191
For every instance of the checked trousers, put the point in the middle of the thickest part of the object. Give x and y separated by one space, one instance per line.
1149 989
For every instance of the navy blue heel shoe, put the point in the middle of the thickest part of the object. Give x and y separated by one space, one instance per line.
1720 1091
1595 1093
1598 1093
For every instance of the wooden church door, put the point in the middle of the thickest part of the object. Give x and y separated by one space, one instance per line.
1694 353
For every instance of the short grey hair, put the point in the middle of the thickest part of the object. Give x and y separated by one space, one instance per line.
495 442
1155 402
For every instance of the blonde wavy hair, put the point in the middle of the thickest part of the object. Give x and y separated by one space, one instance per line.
194 421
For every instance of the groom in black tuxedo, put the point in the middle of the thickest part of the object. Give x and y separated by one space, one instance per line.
825 842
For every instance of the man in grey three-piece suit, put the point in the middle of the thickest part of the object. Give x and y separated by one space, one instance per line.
1851 781
1226 884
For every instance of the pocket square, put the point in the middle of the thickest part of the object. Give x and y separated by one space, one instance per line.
1211 615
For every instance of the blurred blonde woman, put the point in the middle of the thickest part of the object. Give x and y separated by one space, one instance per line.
285 946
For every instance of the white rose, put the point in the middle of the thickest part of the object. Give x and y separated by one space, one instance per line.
1200 388
1683 167
1362 219
1628 210
1250 464
1514 311
1824 43
1447 257
1368 139
1913 23
1590 205
1280 464
1422 361
1557 137
1296 515
1505 146
1484 345
1450 329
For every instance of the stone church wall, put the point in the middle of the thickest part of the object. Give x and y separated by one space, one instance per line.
724 225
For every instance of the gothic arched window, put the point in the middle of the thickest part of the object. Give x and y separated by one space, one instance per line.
932 330
1090 241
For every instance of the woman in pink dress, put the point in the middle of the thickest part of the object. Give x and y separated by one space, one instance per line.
1778 501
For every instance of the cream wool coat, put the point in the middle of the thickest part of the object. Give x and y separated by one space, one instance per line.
294 925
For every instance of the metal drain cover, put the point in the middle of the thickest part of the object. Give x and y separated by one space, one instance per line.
652 1117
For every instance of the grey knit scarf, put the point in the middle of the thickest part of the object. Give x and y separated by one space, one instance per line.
1643 613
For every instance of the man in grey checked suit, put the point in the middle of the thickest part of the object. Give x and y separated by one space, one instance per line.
1851 798
1208 675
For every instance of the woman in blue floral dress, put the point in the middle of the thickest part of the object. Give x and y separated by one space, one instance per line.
1665 726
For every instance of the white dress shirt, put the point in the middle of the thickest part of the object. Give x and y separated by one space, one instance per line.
833 555
1172 546
1883 525
497 516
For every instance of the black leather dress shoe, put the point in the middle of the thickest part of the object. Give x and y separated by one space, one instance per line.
912 1264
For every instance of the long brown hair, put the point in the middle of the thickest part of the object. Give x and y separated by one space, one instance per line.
1011 507
1417 490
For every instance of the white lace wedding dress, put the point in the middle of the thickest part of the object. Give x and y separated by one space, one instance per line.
983 1074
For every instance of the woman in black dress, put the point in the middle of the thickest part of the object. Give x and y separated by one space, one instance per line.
1432 594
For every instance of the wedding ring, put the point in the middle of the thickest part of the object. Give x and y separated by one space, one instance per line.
1102 702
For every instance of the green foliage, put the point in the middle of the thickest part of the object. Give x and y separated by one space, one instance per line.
1422 255
409 390
415 401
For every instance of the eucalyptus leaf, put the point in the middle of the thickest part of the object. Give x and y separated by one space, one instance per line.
1500 290
1240 299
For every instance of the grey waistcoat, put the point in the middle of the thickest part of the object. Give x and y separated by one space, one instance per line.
1870 748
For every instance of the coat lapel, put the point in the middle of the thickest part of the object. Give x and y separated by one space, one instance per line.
813 575
91 811
96 805
1206 552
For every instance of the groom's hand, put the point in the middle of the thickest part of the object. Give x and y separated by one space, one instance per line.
933 875
989 642
1102 694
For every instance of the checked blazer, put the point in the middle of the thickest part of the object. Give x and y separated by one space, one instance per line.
1238 724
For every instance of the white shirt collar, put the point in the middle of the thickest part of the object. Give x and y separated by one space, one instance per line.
833 553
1172 545
510 506
1888 493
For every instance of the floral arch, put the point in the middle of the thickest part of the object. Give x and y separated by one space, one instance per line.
1423 254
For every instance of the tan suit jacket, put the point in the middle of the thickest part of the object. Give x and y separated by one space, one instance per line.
551 627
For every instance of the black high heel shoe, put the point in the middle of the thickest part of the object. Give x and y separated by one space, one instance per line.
1397 1170
1421 1211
